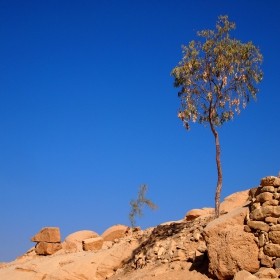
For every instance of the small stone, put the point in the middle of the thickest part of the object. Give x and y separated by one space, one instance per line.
265 196
268 189
267 261
266 273
242 274
271 220
247 228
258 225
261 240
272 250
274 236
255 205
261 254
273 202
275 227
277 263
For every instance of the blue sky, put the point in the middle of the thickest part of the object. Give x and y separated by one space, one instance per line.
88 112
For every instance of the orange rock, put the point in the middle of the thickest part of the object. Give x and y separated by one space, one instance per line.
117 231
47 234
194 213
78 237
45 248
93 244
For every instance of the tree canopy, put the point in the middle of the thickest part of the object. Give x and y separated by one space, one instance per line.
217 77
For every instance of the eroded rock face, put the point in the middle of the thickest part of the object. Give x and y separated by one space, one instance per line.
47 234
114 232
228 245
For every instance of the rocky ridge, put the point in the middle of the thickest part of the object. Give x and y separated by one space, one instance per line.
243 244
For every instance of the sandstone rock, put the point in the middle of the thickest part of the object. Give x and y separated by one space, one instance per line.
273 202
270 181
275 227
277 263
266 273
229 246
266 261
117 231
235 217
271 220
268 189
262 240
234 201
254 192
45 248
47 234
264 196
209 210
255 205
241 275
274 236
272 250
194 213
93 244
69 247
266 211
258 225
247 228
78 236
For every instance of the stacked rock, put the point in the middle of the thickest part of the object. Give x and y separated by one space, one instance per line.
264 220
48 241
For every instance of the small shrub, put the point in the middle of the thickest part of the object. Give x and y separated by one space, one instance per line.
138 205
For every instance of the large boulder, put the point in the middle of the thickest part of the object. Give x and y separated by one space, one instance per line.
228 245
114 232
234 201
78 237
45 248
194 213
47 234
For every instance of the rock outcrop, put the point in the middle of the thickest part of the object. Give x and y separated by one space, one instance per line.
115 232
228 245
48 241
242 244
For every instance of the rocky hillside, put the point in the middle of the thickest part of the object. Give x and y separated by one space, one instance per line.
243 244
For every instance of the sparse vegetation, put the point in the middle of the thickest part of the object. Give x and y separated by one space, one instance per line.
138 205
216 77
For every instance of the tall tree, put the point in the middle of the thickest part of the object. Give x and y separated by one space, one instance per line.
217 77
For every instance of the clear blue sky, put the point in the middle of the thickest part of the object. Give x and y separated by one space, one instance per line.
88 112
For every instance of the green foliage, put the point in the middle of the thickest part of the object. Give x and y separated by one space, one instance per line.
217 76
138 205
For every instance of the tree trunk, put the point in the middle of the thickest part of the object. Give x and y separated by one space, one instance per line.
219 168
